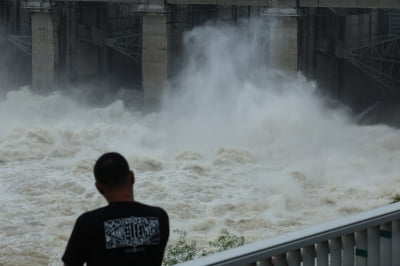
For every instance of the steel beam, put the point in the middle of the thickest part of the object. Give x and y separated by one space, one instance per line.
380 60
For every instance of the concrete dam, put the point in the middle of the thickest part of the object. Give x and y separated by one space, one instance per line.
350 48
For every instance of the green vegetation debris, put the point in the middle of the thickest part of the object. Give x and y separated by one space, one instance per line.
185 250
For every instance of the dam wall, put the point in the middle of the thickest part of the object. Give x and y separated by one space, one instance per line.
335 44
138 45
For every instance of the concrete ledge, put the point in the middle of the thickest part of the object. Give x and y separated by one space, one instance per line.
269 3
225 2
351 3
303 3
37 5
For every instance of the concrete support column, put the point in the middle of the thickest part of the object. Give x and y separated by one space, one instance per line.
154 59
43 50
283 44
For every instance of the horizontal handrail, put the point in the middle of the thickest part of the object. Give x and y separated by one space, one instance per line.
253 252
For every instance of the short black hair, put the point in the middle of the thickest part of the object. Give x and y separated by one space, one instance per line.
111 169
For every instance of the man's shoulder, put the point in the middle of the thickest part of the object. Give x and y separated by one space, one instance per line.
150 209
91 214
125 207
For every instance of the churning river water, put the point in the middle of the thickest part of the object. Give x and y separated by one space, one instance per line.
236 146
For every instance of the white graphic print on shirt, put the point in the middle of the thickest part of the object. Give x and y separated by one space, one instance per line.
132 232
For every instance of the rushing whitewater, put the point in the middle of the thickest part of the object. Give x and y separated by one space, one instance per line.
236 145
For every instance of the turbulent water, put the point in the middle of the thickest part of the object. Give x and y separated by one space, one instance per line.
237 145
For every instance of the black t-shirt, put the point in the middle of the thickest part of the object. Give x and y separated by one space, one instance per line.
122 233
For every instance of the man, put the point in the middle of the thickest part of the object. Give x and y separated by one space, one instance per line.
125 232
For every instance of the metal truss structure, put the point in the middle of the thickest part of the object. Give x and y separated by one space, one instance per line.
22 42
129 45
380 60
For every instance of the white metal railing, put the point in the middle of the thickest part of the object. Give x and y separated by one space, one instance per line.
148 6
280 12
369 238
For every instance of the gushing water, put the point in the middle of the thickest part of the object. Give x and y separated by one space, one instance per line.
237 145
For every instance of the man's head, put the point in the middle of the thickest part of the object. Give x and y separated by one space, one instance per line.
111 170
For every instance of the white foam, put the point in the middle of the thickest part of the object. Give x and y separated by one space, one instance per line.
235 147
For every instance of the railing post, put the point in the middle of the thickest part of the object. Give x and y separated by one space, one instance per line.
336 252
373 245
322 253
265 262
361 248
281 260
395 243
309 256
294 258
348 250
386 244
